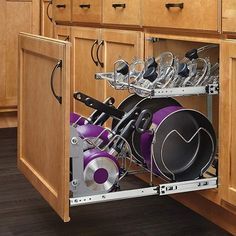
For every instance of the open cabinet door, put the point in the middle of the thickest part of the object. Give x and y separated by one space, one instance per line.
227 142
44 106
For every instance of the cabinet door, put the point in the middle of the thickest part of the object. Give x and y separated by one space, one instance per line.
227 152
62 32
43 135
228 15
46 23
15 16
119 44
85 41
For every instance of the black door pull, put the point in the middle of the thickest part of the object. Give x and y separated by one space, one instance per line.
58 65
61 6
95 62
119 5
179 5
99 61
84 6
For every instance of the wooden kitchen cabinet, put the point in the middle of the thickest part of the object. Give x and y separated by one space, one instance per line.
46 18
105 46
228 16
15 16
198 15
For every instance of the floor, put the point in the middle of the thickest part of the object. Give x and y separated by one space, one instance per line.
24 213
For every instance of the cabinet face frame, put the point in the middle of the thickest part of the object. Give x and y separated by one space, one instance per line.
43 134
228 123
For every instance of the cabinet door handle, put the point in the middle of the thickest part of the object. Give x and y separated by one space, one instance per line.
58 65
47 11
99 45
92 48
84 6
116 5
61 6
179 5
67 38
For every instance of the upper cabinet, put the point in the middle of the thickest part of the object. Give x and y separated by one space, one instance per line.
61 10
228 15
87 11
126 12
186 14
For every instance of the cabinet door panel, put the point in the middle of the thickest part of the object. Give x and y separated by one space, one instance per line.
228 15
43 135
84 68
228 122
120 44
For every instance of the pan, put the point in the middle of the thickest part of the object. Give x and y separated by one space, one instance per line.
184 144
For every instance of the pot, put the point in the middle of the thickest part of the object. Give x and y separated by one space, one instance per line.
101 170
184 144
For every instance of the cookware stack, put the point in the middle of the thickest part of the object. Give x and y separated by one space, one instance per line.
157 133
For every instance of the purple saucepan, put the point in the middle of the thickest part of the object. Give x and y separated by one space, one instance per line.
101 170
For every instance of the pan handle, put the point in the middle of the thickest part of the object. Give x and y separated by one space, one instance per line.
144 121
95 104
58 65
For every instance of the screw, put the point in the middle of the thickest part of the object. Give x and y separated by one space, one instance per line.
74 140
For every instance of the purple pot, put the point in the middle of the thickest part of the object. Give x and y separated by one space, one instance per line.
92 131
76 119
147 137
101 170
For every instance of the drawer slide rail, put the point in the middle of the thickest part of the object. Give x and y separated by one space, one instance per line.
160 190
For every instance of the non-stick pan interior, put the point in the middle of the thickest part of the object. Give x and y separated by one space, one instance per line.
185 145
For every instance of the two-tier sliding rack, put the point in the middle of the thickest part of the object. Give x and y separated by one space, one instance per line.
80 195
